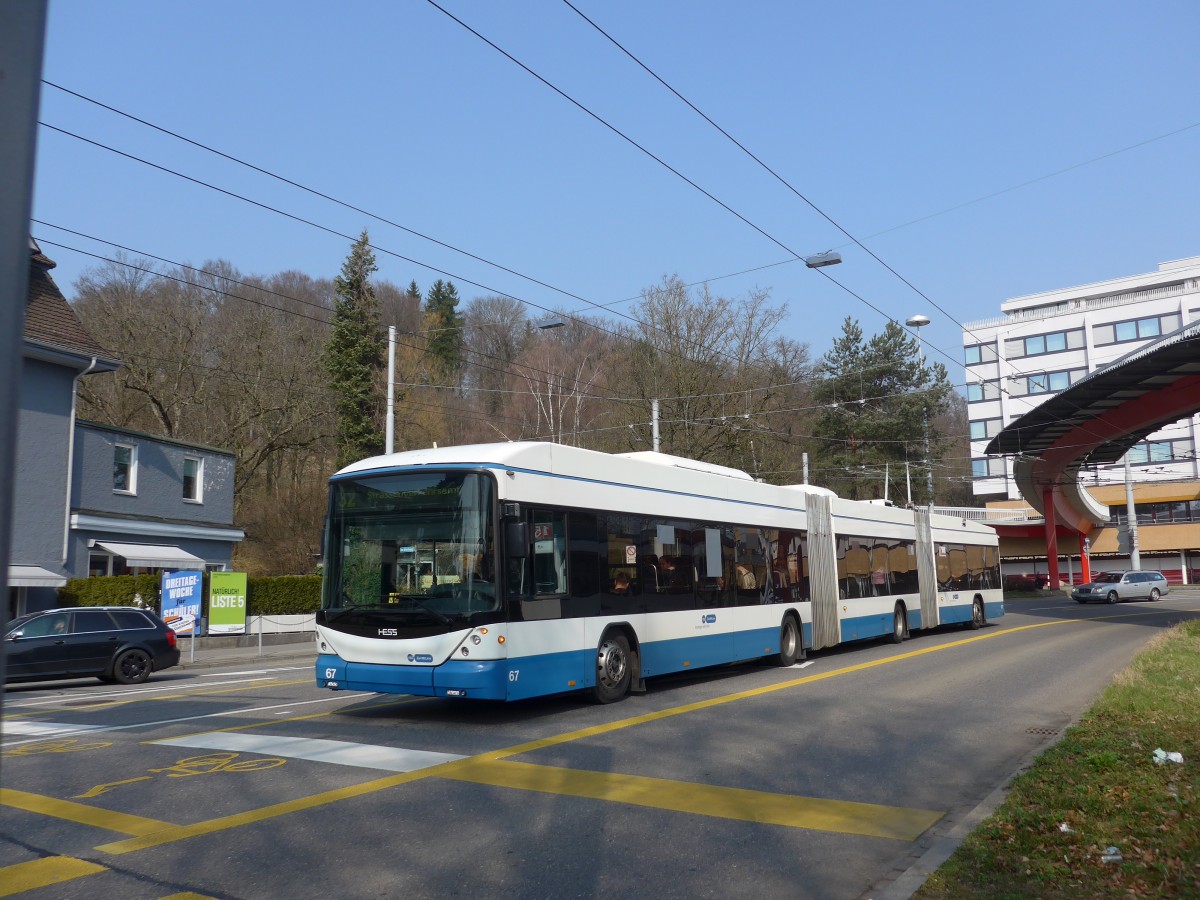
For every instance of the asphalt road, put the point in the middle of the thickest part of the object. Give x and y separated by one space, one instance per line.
844 778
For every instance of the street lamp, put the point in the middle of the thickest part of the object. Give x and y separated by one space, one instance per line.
828 258
918 322
553 322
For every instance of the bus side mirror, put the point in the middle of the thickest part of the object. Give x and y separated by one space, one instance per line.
516 540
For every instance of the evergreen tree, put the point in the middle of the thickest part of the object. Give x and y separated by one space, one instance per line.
445 326
354 357
879 398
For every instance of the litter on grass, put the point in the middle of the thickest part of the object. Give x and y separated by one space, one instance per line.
1162 757
1112 855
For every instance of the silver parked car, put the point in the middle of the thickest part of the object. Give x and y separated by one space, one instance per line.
1112 587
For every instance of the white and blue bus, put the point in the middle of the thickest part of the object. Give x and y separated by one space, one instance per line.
506 571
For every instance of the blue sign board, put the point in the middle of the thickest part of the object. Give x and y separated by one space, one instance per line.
182 595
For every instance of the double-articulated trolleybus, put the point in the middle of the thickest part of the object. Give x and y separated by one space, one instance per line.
505 571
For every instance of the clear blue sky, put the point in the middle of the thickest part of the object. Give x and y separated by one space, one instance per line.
879 113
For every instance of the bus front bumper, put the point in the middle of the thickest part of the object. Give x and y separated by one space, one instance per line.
476 679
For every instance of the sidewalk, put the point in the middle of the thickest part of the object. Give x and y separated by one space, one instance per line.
211 652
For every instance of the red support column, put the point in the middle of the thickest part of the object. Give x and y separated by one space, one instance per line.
1051 537
1085 562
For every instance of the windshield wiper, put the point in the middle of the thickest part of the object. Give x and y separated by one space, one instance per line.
445 620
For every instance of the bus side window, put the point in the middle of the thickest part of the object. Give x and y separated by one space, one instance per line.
549 552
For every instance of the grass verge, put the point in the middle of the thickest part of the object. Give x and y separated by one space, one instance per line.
1097 788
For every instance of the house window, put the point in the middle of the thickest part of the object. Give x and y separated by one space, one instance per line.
193 479
125 468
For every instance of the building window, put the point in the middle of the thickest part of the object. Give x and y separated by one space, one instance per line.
125 468
1041 344
979 353
1151 452
1135 329
1043 382
988 467
982 429
193 479
982 390
1174 513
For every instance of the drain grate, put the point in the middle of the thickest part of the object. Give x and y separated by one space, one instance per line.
1042 730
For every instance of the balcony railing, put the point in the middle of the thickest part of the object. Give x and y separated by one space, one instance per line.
991 516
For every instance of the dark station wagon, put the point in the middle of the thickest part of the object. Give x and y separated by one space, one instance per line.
113 643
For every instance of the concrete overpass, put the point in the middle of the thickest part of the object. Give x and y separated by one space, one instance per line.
1095 422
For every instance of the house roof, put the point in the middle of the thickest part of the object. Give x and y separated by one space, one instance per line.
50 322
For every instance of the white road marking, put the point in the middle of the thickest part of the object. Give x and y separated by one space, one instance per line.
308 668
803 665
340 753
47 729
93 729
105 695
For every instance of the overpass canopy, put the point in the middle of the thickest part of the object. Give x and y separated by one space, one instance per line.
1097 420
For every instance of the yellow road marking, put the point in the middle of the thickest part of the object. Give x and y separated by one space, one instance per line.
841 816
40 873
179 833
122 823
159 833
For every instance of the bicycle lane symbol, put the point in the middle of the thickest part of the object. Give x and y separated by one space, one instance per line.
211 764
62 745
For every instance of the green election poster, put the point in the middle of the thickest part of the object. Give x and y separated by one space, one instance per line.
227 603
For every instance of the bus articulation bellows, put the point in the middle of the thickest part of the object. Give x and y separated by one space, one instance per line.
515 570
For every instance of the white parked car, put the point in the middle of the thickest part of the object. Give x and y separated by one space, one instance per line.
1113 587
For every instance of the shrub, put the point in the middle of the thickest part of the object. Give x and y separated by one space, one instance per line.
279 596
110 590
285 595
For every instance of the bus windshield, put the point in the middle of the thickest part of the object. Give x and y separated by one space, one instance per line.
412 542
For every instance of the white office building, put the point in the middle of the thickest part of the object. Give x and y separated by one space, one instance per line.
1046 342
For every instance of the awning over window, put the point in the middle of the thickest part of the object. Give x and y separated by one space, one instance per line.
153 555
33 576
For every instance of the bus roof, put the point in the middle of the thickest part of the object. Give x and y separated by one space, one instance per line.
646 469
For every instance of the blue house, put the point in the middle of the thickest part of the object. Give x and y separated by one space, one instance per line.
90 499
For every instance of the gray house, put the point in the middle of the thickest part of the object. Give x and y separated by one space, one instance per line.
89 499
141 503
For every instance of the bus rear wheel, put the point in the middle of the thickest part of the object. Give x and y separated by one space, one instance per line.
978 618
899 625
613 670
790 649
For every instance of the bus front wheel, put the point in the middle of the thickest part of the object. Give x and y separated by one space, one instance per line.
613 669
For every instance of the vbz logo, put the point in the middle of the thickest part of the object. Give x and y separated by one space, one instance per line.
709 619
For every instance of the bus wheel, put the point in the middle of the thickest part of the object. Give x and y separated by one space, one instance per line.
613 670
978 619
789 643
899 625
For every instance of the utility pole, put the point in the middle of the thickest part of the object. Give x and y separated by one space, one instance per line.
390 442
917 322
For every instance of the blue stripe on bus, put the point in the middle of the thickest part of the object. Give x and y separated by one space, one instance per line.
549 673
